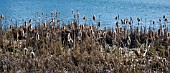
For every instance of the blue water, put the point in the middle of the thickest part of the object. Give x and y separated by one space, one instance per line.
107 9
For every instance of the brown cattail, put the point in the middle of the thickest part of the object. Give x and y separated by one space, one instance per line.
159 20
166 20
84 17
11 26
130 18
117 24
90 27
126 21
138 19
30 20
2 16
122 22
64 27
72 11
164 16
45 25
130 23
51 13
30 27
163 25
153 22
42 13
58 20
116 18
57 13
52 20
159 32
98 24
120 29
25 23
94 17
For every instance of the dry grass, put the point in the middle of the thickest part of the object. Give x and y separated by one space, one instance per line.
85 56
59 59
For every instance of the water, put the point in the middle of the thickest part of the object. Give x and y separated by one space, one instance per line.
107 9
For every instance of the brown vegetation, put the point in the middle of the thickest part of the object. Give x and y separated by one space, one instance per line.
75 47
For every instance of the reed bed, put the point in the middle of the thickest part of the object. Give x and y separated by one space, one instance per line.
54 46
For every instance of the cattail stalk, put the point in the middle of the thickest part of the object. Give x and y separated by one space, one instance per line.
1 36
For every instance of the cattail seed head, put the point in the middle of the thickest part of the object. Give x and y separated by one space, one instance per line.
84 17
166 20
98 24
116 24
45 25
164 16
138 19
2 16
72 11
58 20
94 17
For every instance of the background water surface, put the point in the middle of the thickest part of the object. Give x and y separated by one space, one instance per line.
107 9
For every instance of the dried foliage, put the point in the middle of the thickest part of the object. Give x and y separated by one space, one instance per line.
77 48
